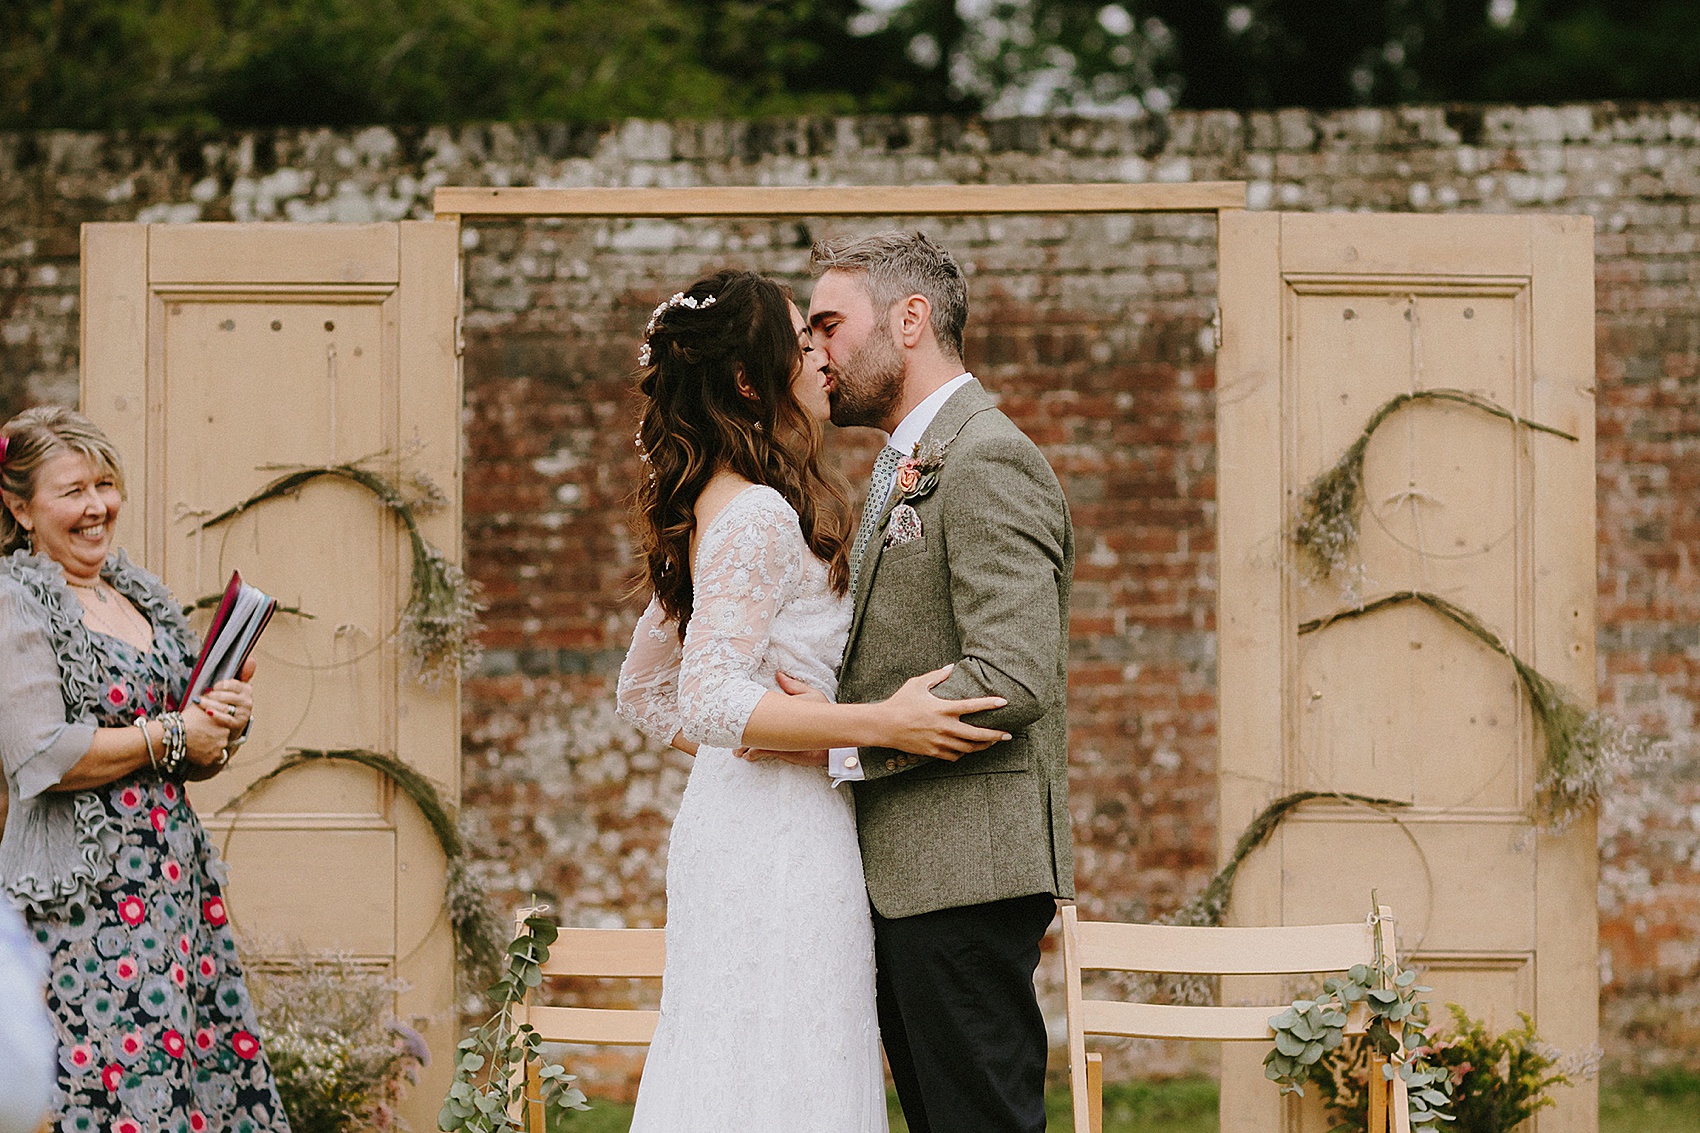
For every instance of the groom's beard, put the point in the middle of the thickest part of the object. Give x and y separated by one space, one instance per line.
867 388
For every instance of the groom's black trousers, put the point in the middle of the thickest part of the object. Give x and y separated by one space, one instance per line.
960 1023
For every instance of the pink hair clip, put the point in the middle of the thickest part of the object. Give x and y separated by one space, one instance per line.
5 443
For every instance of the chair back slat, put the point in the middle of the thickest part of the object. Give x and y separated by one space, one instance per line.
593 1025
591 953
1281 950
1169 1021
609 953
1166 1021
1179 950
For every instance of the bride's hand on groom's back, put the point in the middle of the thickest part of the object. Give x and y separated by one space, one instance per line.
816 758
923 724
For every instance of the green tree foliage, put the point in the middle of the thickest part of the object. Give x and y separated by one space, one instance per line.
1327 53
130 63
1035 55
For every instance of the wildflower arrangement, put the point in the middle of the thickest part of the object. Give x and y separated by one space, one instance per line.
339 1059
1584 750
439 627
1497 1081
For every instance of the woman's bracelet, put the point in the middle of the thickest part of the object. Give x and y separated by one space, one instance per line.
142 724
176 743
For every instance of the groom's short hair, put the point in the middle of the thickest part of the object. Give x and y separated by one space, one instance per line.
896 265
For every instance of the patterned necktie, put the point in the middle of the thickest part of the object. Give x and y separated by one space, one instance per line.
879 488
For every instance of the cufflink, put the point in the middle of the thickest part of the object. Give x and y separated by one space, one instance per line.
851 763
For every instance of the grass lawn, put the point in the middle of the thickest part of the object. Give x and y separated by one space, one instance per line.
1664 1104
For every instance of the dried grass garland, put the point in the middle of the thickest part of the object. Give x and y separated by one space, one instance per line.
1585 749
1326 530
439 627
1210 904
480 937
1207 907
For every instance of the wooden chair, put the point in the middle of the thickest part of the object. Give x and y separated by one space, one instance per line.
606 953
1171 950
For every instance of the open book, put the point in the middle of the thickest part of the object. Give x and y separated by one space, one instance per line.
240 619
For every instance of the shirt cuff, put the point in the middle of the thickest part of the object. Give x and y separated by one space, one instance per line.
844 764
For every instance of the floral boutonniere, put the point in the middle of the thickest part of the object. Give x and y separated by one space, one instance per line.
918 475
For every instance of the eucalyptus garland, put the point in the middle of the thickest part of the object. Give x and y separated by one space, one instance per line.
1310 1030
439 627
1326 530
1584 749
478 934
489 1090
1498 1081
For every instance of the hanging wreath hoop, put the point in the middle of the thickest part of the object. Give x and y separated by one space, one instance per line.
1327 526
439 625
1583 748
478 935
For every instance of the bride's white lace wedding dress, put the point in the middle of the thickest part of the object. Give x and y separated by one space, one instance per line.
767 1004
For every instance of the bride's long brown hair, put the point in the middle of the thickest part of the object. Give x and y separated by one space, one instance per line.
695 421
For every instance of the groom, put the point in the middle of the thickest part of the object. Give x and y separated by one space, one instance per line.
965 555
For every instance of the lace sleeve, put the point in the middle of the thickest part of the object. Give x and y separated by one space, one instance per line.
648 692
747 566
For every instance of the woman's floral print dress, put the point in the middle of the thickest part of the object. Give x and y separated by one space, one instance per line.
156 1031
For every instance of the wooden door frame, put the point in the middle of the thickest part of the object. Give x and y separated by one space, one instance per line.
407 273
1282 256
455 203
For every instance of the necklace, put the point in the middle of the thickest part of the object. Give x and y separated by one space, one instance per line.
97 590
117 619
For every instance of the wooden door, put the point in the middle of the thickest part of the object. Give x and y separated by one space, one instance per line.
212 354
1325 318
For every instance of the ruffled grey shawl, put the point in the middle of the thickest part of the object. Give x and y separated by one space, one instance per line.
58 845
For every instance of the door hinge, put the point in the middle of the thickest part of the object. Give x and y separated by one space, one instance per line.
1216 327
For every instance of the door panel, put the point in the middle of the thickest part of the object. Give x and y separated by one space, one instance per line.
1325 318
213 354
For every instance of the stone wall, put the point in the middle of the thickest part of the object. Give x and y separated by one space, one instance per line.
1096 333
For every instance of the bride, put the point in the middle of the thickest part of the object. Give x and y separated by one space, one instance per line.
767 1007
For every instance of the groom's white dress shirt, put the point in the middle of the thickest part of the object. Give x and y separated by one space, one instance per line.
843 763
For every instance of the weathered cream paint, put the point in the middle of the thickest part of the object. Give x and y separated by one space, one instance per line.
211 351
1325 317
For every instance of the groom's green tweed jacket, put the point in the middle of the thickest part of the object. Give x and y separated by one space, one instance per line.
986 585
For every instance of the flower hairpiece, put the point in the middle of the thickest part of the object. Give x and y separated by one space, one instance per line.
643 453
678 299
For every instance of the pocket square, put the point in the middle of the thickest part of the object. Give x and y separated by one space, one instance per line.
904 526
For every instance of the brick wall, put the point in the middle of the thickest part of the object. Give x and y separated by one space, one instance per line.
1095 332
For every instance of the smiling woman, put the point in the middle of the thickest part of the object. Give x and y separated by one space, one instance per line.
102 853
